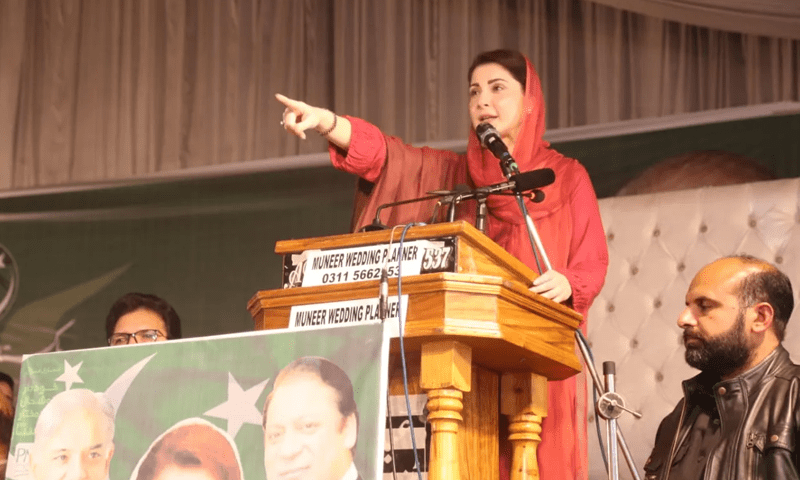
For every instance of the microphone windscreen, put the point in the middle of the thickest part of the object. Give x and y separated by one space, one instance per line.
485 130
534 179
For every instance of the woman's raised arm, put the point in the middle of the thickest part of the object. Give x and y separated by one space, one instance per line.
299 117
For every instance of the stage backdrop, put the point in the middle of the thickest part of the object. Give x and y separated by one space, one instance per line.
220 381
206 244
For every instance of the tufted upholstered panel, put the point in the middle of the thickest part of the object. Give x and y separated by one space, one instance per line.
656 245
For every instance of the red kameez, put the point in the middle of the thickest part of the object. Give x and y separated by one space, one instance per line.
568 222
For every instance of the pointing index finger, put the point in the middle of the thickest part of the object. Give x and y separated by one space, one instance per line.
292 104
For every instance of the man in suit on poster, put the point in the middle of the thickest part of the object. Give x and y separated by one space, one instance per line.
310 423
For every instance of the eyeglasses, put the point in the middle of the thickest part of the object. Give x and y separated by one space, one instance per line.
142 336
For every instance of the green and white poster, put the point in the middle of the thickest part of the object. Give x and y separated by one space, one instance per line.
273 404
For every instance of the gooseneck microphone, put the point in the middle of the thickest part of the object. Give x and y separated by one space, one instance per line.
490 139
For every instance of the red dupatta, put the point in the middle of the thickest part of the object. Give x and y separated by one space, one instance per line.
531 152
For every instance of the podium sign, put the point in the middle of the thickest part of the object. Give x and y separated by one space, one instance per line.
316 267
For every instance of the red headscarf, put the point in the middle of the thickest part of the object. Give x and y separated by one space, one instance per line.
531 151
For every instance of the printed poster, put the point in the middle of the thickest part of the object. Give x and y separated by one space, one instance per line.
273 404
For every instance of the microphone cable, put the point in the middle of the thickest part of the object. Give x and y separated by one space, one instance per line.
594 400
383 283
402 329
383 289
391 435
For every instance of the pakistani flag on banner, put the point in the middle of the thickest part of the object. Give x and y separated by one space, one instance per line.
194 408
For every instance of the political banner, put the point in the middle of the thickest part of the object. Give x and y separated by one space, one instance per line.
273 404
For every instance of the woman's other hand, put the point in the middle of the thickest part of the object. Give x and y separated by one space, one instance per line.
552 285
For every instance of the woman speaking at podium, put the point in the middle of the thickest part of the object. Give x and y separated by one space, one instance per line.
504 91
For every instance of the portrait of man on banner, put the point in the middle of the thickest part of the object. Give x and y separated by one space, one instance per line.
311 423
73 437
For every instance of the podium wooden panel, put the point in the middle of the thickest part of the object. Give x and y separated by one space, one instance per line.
512 339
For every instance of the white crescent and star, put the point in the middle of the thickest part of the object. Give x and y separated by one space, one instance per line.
240 407
70 375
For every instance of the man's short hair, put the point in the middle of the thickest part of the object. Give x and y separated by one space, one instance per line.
62 404
329 373
131 302
768 285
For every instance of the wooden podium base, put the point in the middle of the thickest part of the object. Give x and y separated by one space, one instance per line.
464 404
477 432
478 342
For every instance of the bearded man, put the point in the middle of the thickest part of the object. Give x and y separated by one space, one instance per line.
739 417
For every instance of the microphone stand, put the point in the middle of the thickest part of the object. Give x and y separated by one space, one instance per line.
482 210
478 195
611 404
518 183
378 225
509 167
480 215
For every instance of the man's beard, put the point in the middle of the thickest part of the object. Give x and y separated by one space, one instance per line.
722 354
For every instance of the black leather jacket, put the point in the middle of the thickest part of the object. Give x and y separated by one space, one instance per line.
760 415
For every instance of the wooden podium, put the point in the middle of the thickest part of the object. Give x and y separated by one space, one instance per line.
477 341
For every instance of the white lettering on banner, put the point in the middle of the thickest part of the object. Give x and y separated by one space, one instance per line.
18 466
326 267
348 311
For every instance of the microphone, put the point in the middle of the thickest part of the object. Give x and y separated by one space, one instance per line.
452 200
520 182
533 179
378 225
490 139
